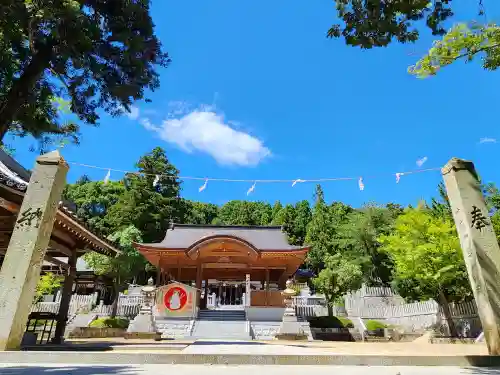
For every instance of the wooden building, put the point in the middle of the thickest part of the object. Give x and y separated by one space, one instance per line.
70 237
220 259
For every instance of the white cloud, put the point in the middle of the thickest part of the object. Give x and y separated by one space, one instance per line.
204 130
487 140
133 114
422 161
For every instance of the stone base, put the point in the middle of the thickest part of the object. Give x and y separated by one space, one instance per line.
292 336
143 335
94 333
142 324
290 329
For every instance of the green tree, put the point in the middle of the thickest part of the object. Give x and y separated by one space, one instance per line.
93 200
47 284
237 212
359 233
339 276
277 213
461 42
319 232
440 207
322 230
201 213
377 23
303 216
96 55
147 205
121 268
428 261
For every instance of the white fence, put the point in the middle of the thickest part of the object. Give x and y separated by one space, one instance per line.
77 304
375 303
380 303
128 306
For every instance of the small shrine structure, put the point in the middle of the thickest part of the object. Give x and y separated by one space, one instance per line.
230 266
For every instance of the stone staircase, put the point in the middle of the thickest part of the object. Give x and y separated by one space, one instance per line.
222 324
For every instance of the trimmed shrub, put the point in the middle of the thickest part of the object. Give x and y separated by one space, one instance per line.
110 323
373 325
330 322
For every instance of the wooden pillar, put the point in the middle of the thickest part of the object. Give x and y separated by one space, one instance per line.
282 281
267 286
62 317
199 274
479 244
205 296
28 244
158 276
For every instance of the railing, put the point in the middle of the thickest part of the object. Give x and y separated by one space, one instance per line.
309 301
213 303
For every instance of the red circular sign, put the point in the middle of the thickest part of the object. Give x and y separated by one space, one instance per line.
175 298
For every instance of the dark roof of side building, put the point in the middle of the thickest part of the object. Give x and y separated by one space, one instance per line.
14 176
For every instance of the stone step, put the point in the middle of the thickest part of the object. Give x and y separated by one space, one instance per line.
222 315
206 329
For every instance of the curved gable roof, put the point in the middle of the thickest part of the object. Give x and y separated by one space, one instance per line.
184 236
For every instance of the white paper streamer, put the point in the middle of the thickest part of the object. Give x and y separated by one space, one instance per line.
421 162
398 177
108 175
361 184
203 187
157 179
297 182
252 188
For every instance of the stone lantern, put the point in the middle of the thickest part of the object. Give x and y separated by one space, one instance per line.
143 326
290 328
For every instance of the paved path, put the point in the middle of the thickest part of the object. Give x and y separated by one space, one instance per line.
290 347
61 369
329 348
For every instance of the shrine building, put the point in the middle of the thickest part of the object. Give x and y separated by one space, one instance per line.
232 266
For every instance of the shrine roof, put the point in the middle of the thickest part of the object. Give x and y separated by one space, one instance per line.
183 236
15 177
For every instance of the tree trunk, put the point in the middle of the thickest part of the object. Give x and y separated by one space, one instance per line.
329 305
443 302
22 87
114 306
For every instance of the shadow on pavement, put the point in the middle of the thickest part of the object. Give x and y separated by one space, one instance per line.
103 346
68 369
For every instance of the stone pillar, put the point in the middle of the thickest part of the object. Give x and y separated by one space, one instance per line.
28 244
62 316
479 244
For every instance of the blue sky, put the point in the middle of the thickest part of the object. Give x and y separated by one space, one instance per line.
256 91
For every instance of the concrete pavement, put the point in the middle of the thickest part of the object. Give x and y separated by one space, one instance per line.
72 369
259 353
